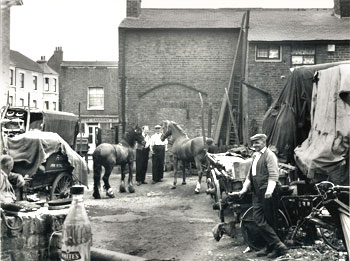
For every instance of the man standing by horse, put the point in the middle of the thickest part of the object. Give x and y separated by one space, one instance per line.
142 153
158 148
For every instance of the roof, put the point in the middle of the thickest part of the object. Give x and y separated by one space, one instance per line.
47 69
19 60
89 64
292 25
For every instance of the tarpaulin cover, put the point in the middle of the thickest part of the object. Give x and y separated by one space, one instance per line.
33 148
287 122
63 123
326 150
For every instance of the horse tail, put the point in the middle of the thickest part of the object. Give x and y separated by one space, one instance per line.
97 167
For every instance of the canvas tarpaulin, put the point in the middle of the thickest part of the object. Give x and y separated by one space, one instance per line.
326 150
29 150
287 122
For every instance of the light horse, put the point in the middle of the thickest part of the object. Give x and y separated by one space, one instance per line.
186 150
109 155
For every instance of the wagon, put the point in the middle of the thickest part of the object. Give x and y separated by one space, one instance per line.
41 144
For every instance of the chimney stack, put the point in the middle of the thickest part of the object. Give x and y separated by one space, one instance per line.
133 8
42 60
342 8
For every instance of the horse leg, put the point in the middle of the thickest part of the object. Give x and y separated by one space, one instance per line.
97 179
107 186
175 173
200 173
183 172
122 182
130 185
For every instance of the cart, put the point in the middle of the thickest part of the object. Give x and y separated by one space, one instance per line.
41 144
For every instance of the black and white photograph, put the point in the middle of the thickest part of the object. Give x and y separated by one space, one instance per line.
174 130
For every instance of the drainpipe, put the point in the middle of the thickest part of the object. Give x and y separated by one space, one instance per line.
122 77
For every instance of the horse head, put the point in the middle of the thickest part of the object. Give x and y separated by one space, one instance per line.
134 135
166 130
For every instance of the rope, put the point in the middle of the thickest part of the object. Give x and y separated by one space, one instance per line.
7 223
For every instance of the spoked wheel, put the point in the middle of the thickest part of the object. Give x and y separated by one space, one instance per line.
61 186
251 234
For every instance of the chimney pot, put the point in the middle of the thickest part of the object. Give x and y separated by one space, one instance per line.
133 8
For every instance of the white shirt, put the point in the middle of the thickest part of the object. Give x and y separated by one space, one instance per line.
257 156
155 140
147 140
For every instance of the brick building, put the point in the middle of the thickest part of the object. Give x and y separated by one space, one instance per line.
168 56
93 85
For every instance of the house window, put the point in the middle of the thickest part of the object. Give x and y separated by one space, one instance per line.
268 52
303 55
21 80
46 105
55 85
35 82
54 106
96 98
35 104
12 79
21 102
47 86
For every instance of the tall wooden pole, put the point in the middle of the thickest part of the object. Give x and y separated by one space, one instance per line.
244 92
80 135
202 120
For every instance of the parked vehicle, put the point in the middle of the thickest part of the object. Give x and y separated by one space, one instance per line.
42 145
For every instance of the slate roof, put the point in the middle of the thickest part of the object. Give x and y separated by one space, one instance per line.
47 69
89 64
19 60
265 24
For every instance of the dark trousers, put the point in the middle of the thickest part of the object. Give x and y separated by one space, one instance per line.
141 164
265 215
158 162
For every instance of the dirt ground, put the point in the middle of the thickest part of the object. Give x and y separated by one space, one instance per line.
158 223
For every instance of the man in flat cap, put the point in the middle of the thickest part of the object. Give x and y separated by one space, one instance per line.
158 148
263 179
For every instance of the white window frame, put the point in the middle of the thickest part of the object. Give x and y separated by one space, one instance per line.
12 77
47 105
35 86
46 85
302 55
22 81
54 84
267 59
94 107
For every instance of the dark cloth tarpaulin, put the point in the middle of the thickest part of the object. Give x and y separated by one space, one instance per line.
29 150
326 150
287 122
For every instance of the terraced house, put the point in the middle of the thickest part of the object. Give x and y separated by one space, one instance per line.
168 56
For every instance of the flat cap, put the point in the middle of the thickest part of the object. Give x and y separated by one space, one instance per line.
157 127
259 136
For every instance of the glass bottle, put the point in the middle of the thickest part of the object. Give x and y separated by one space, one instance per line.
76 232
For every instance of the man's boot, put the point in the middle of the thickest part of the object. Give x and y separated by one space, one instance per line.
264 251
278 250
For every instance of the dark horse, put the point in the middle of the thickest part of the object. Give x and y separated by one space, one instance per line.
109 155
186 150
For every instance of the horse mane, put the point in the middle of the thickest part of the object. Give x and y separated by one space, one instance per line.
177 126
127 138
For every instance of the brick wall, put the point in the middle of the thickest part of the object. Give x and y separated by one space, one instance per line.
271 76
31 242
165 70
74 86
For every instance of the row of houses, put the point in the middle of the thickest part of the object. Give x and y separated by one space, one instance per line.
168 56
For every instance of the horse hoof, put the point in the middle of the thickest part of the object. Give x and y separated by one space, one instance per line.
110 193
96 195
196 191
131 189
173 187
122 189
183 183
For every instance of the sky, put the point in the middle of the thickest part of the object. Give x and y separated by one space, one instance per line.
87 30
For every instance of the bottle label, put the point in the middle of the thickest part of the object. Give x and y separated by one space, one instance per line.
78 252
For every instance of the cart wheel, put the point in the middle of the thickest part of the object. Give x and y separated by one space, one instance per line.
61 186
251 234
